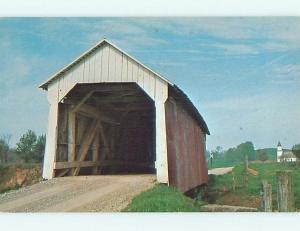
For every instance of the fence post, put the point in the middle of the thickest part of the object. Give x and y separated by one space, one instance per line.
267 196
285 192
233 181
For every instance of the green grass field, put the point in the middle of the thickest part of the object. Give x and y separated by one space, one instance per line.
162 198
266 171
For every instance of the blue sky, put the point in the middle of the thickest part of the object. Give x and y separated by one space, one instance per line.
243 74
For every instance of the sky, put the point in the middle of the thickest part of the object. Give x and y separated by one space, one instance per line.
242 73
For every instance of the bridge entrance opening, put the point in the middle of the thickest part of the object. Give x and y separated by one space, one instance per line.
105 128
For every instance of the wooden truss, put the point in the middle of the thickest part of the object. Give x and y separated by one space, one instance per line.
87 134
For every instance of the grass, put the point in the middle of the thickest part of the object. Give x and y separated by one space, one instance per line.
162 198
266 171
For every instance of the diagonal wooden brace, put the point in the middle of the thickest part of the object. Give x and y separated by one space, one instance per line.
87 141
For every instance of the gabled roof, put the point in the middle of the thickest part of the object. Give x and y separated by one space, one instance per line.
279 144
45 84
189 105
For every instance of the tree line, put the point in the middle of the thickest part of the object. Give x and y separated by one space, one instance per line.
29 149
237 154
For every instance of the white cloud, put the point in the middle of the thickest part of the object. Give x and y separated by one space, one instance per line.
274 33
236 49
126 32
285 74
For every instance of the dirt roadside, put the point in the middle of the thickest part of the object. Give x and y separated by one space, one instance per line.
109 193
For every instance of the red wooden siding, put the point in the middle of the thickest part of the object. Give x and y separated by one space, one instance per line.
186 148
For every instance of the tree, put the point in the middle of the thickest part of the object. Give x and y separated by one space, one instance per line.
31 148
262 156
4 148
39 148
218 153
238 154
26 146
296 150
247 148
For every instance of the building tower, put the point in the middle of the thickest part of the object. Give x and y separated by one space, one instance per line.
279 151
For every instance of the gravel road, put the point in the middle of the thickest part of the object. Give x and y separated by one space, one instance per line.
106 193
219 171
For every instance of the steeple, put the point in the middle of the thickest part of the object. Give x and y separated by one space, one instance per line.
279 151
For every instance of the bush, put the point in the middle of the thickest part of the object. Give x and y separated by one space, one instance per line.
262 156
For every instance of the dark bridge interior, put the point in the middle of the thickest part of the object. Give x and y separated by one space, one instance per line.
105 128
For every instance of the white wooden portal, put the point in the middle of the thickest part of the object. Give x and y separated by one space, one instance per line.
102 64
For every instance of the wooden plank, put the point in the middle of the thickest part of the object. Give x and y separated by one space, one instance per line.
267 196
51 141
161 136
140 78
63 173
82 101
124 68
98 67
112 65
80 76
86 69
106 145
96 113
83 164
92 61
129 71
146 82
62 133
105 64
107 87
82 123
119 66
75 75
88 138
135 70
285 191
75 164
71 137
252 171
95 150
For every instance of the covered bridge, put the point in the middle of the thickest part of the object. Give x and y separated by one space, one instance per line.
109 114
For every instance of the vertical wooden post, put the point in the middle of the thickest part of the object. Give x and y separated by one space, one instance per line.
161 163
71 138
96 151
233 181
267 196
285 192
105 151
51 142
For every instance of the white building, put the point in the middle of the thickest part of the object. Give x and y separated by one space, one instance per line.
285 155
